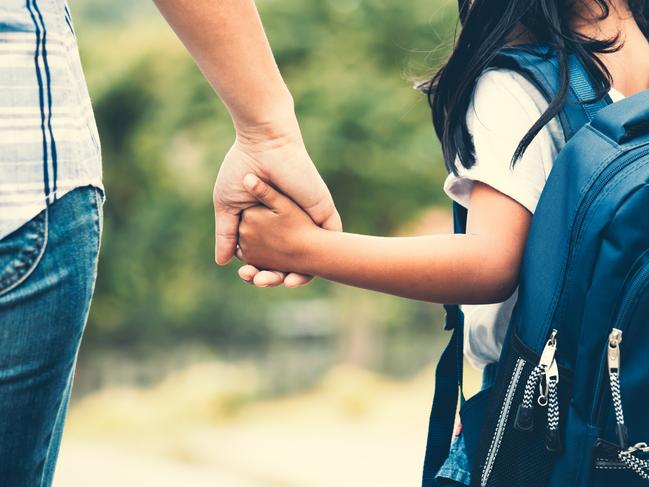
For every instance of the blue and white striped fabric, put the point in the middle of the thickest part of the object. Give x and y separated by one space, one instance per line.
48 138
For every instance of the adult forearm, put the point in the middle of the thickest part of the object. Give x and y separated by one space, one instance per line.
438 268
227 41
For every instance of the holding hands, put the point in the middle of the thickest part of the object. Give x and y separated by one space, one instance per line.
276 235
271 152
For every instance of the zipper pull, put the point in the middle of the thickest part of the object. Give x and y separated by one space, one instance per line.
547 359
551 376
547 356
613 356
614 340
525 414
552 437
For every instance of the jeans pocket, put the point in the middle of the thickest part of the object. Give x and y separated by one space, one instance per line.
21 251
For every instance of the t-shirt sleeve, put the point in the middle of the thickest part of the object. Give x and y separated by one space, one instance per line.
504 107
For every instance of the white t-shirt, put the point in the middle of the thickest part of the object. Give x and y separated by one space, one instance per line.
504 107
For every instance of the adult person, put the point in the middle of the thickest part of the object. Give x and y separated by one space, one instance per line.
51 195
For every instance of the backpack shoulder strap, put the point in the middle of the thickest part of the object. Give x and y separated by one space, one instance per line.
448 381
539 65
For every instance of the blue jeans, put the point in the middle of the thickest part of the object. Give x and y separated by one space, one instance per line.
47 277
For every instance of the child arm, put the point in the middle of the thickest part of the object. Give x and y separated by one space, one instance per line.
479 267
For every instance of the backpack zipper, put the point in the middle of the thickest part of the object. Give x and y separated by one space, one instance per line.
547 370
502 422
613 360
626 454
525 414
552 436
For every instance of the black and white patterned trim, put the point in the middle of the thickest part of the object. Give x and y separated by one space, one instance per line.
553 405
641 467
617 397
530 385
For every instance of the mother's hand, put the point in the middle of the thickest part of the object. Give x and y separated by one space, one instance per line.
276 154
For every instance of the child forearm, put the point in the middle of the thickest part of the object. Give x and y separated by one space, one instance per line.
438 268
478 267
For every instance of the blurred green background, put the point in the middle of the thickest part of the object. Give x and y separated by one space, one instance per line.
181 360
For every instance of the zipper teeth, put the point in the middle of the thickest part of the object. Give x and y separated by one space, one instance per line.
502 421
604 177
639 276
625 308
638 270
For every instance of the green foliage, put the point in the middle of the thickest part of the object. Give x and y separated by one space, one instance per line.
164 134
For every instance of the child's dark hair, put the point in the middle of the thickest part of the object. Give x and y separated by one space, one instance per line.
487 27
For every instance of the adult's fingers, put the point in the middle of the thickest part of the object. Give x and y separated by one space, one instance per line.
248 273
265 193
296 280
227 233
268 278
333 221
290 280
260 278
254 276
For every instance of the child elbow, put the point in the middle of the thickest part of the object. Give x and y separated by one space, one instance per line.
494 283
502 286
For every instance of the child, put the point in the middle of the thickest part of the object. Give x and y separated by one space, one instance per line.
499 138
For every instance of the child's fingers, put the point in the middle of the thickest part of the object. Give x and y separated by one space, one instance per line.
265 193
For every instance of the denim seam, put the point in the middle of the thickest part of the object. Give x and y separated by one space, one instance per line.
98 220
34 263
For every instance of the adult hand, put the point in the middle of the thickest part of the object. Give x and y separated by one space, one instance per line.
227 41
276 154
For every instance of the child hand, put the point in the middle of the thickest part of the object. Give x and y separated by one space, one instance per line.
277 234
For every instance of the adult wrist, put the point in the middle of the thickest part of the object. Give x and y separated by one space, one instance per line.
275 121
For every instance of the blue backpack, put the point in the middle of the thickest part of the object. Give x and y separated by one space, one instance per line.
570 403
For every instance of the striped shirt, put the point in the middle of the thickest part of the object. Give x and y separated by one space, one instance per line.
48 138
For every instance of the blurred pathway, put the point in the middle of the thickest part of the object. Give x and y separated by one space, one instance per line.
99 465
253 458
355 430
